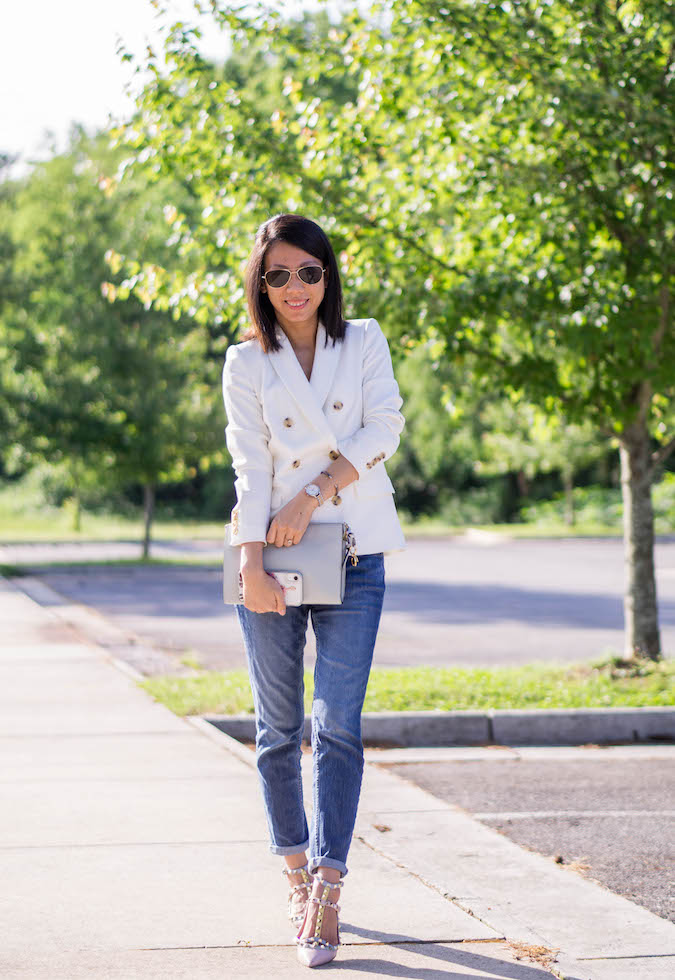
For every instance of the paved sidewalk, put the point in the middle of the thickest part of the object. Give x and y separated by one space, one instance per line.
132 845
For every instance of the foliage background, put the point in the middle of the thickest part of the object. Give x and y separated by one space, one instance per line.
509 256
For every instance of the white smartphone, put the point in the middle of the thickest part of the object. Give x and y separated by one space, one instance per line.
291 583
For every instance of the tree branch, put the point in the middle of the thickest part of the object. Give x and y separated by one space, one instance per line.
669 58
662 454
355 217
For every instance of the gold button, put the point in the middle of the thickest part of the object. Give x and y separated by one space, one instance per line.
296 463
333 454
369 465
288 423
337 406
337 500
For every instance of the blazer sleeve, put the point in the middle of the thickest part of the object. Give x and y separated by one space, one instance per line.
247 438
379 436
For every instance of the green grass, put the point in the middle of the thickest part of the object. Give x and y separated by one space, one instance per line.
582 529
434 527
11 571
56 525
609 683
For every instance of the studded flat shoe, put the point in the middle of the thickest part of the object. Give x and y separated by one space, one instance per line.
298 895
314 950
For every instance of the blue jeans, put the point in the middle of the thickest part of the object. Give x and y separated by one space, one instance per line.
345 639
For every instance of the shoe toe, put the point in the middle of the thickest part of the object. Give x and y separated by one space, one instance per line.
315 957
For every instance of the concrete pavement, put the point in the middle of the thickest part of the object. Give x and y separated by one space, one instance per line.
132 845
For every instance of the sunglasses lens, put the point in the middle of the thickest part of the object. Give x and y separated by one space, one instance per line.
277 277
311 274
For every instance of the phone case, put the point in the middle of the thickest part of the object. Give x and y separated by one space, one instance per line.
291 583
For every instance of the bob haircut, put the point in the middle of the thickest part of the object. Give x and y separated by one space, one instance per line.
307 235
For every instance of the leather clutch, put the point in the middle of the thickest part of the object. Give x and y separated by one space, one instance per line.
320 557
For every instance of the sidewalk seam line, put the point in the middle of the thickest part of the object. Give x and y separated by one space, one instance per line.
430 885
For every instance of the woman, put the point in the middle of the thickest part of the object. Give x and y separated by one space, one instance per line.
313 413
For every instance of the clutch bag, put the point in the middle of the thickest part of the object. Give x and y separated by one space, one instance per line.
320 557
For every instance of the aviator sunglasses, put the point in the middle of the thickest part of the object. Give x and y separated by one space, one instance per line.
309 274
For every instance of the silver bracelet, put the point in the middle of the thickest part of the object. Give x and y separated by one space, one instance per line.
332 480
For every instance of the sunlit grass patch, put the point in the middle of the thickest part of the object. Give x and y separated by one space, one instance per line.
584 685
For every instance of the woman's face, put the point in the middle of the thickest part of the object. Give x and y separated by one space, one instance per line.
296 304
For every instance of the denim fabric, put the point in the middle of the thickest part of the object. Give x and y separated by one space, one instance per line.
345 638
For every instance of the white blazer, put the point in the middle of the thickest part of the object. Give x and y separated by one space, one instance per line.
283 430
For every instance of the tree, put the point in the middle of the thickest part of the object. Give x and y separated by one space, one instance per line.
60 339
503 179
117 391
521 437
9 294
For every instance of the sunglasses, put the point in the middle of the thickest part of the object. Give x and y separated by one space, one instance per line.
309 274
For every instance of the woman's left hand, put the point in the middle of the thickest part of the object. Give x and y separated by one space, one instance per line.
291 522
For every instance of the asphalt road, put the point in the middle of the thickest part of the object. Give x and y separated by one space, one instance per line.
609 813
463 600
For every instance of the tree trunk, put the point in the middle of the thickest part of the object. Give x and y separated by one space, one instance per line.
640 607
148 511
568 484
522 483
77 500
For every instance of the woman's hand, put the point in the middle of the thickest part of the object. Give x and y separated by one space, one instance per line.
291 522
262 592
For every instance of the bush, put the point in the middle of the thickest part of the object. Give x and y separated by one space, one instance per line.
602 505
50 487
480 505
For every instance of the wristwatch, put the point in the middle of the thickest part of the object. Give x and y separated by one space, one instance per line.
313 491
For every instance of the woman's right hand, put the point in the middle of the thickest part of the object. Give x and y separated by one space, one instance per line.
262 592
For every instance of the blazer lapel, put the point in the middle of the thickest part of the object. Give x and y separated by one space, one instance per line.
309 395
326 358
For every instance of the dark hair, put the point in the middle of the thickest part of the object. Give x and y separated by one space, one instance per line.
307 235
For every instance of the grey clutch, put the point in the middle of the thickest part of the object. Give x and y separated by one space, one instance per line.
320 557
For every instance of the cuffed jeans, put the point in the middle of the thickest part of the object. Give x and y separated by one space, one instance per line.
345 639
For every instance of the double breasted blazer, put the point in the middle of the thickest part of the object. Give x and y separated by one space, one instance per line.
283 429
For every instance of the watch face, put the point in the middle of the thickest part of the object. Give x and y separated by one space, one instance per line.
312 490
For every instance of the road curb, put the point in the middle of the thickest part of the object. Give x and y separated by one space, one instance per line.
534 726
